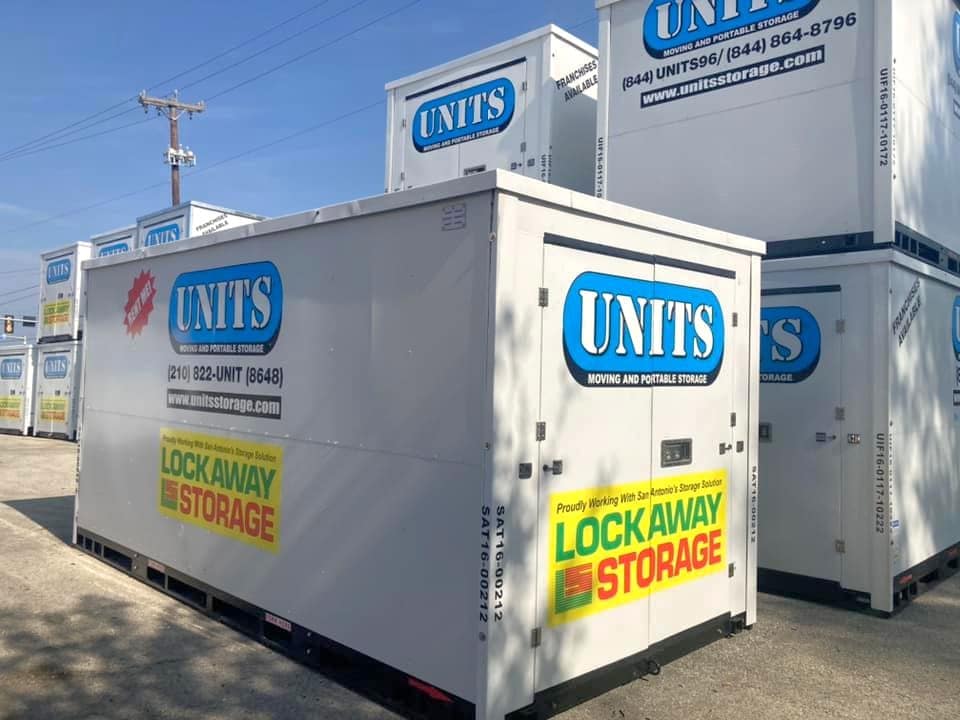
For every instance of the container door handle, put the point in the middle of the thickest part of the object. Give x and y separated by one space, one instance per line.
823 437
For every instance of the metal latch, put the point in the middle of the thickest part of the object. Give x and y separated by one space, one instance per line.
853 439
841 413
541 431
735 320
526 471
556 468
731 569
766 432
544 297
823 437
535 637
841 546
841 327
725 448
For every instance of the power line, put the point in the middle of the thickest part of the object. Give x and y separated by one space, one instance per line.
60 131
17 272
11 154
45 148
317 49
124 196
19 290
277 44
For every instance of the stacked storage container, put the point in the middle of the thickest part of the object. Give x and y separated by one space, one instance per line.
16 389
831 131
188 219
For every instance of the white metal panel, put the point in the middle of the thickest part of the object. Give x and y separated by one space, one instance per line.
16 388
61 291
115 242
801 459
56 401
566 152
709 109
163 228
378 371
594 456
705 414
925 396
205 220
497 109
926 38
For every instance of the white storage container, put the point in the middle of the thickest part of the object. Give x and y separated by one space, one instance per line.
16 389
528 105
188 219
114 242
826 125
57 399
860 412
61 293
484 412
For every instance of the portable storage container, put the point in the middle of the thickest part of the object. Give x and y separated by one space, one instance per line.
816 126
16 389
114 242
511 419
188 219
61 293
860 412
528 105
57 400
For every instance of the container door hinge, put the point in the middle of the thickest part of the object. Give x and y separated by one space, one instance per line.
731 569
403 123
841 413
841 546
523 86
544 297
535 637
733 419
541 431
735 320
523 147
841 327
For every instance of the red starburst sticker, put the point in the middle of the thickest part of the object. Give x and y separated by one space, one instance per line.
139 303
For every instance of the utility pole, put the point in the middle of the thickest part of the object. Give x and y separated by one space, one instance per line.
175 156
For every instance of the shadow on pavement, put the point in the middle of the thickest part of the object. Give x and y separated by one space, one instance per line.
53 513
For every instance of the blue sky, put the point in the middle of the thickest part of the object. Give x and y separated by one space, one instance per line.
63 60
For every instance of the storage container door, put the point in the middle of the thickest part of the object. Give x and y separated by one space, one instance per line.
693 413
499 104
13 404
58 287
594 465
801 443
55 394
431 153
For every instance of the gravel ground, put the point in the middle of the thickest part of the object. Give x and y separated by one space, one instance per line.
81 640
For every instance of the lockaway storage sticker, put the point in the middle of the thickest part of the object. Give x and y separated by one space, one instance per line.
615 545
227 486
11 408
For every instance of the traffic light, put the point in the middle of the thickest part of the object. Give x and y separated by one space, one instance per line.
8 324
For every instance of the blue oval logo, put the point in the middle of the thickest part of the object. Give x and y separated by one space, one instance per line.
672 27
113 249
789 344
234 310
956 327
55 367
620 331
956 40
460 117
58 271
162 235
11 368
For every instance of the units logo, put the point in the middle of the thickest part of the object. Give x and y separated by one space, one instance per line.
672 27
11 368
235 310
615 545
956 40
116 248
477 112
162 235
789 344
956 328
55 367
621 331
58 271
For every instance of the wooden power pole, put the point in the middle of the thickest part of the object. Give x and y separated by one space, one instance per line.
175 156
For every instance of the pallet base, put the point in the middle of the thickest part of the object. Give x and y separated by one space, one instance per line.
375 680
906 586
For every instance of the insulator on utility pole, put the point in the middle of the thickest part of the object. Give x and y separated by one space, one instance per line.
175 155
